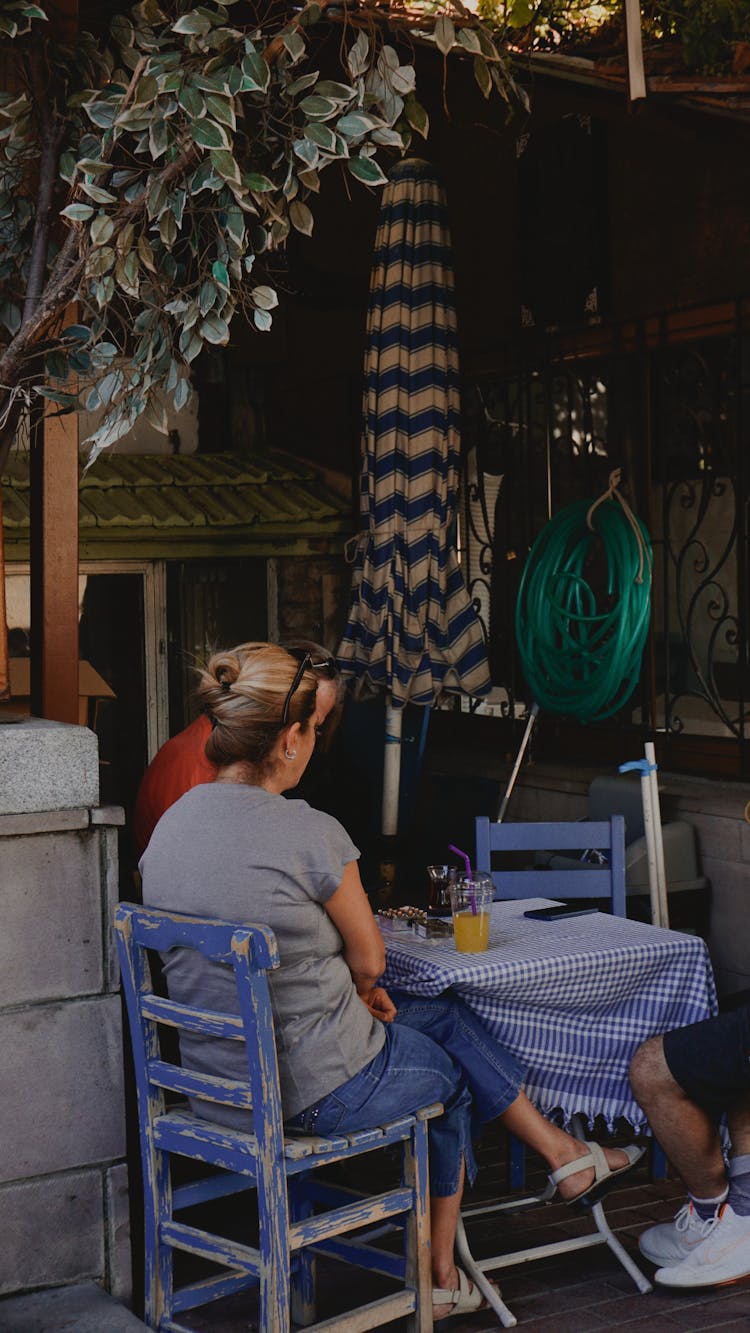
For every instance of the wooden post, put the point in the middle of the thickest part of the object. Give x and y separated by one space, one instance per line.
54 538
54 567
4 668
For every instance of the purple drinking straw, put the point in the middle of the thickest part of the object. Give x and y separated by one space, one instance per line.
464 857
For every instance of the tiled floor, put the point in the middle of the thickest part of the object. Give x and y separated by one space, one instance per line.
581 1292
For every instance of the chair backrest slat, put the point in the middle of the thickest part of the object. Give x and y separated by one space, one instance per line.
174 1078
586 881
177 1015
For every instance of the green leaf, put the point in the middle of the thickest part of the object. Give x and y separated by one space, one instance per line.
101 113
323 136
207 297
157 137
365 170
339 92
98 195
262 320
146 90
80 333
359 56
256 74
220 274
207 134
225 164
168 229
194 24
306 150
264 298
215 330
294 43
145 253
191 101
92 167
221 109
66 400
445 34
301 84
257 183
77 212
101 260
182 394
68 167
355 125
417 116
101 229
468 39
301 217
318 108
482 75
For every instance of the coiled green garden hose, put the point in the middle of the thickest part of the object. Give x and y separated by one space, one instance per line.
582 611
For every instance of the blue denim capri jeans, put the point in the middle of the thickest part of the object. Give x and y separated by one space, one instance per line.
458 1064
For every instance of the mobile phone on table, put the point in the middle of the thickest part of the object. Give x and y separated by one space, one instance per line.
556 913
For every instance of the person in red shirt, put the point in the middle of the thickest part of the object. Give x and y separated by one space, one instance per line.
181 762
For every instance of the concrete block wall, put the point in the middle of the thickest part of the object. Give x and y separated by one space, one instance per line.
63 1179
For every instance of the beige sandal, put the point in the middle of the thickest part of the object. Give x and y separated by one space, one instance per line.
463 1301
605 1177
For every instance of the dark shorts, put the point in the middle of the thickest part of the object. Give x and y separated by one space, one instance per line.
711 1060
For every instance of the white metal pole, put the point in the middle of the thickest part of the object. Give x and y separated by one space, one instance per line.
391 769
648 829
661 874
533 714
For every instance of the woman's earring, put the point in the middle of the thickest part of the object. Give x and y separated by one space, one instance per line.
290 754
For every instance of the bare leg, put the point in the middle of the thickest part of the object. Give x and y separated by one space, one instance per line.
687 1133
444 1214
443 1220
553 1144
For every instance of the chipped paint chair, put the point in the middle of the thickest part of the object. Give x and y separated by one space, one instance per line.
298 1217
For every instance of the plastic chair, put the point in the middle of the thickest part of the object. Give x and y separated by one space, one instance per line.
577 879
280 1170
688 889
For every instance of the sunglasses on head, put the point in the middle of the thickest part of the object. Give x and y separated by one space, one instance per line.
326 665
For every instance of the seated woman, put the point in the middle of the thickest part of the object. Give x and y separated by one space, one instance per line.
235 849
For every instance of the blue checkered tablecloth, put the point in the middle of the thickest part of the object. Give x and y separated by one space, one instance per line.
571 998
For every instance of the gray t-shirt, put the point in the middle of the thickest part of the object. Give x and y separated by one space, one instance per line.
242 854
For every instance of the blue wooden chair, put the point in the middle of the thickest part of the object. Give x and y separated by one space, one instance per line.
581 880
298 1217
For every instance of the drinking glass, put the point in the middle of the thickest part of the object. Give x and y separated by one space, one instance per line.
471 898
441 878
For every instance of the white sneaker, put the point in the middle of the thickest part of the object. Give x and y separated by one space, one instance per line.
722 1256
671 1242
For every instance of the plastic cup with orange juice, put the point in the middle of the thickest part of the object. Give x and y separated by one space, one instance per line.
471 897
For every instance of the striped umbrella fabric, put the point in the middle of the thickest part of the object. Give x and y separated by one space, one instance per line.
412 629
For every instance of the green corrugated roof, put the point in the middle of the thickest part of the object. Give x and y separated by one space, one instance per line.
182 505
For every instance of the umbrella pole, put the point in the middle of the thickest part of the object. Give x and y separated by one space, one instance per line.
391 769
533 714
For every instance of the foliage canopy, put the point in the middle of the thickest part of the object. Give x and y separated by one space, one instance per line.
150 171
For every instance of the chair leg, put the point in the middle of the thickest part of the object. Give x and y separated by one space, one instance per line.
418 1269
158 1256
303 1276
516 1163
273 1228
658 1162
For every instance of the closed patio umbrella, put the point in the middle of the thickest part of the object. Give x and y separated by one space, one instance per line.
412 629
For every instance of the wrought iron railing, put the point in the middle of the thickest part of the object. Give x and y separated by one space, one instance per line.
665 401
